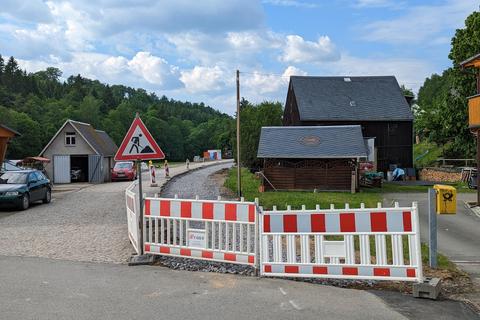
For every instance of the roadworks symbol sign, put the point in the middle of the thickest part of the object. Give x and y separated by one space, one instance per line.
138 144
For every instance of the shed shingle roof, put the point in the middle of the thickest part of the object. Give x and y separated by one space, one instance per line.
312 142
99 140
359 99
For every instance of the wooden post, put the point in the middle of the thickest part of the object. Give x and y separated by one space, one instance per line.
239 176
478 167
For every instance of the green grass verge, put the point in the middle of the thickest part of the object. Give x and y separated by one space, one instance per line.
296 199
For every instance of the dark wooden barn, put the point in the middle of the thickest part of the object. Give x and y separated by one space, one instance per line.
377 104
307 158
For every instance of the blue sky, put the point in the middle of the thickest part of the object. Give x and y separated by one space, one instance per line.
190 49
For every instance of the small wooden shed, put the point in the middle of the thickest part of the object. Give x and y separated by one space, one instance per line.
308 158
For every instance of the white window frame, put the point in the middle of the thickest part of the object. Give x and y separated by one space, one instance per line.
68 139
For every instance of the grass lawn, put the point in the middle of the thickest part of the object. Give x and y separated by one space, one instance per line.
297 198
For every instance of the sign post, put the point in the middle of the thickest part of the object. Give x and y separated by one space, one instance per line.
137 145
432 229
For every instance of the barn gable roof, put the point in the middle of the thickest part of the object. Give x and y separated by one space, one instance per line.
98 140
371 98
312 142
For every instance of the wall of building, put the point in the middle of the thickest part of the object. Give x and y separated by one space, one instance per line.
309 174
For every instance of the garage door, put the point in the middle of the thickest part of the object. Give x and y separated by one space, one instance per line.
61 169
95 169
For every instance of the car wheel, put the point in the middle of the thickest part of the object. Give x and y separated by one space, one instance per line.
48 196
25 202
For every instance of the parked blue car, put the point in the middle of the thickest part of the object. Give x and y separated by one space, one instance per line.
21 188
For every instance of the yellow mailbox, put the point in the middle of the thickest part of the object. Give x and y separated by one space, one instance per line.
446 199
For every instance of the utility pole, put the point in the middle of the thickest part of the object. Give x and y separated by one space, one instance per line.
239 176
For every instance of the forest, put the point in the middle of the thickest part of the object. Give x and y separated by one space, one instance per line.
37 104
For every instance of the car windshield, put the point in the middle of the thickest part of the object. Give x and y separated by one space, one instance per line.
14 177
123 165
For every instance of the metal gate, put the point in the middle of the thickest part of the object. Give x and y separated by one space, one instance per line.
61 169
95 168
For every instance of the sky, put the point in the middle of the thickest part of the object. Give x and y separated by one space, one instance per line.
190 49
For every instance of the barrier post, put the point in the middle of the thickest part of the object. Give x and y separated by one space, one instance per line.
140 195
257 238
432 228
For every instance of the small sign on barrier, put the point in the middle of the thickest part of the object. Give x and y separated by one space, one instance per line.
196 238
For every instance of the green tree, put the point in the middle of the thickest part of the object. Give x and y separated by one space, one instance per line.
442 115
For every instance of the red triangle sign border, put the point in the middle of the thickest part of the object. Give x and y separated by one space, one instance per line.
158 153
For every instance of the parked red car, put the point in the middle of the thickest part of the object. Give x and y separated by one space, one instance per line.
124 171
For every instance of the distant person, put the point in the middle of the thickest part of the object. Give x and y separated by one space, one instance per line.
167 170
398 174
188 164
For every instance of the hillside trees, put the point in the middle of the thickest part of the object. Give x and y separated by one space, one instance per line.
37 104
442 116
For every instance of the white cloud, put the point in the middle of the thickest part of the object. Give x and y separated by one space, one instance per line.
153 69
411 72
30 11
291 3
263 83
379 4
421 24
202 79
298 50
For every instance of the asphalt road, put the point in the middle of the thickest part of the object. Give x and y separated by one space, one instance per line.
458 235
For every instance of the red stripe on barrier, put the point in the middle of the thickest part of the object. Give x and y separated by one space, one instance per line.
320 270
207 254
291 269
251 213
347 222
164 250
351 271
411 273
164 208
147 247
230 256
381 272
290 223
207 210
378 221
230 212
185 252
267 269
317 222
185 209
266 223
407 221
147 207
251 259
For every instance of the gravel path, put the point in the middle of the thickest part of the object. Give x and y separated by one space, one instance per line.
199 182
88 225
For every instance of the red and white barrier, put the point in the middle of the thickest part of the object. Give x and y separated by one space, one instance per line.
216 230
133 218
346 243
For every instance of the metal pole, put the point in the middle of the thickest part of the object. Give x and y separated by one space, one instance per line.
239 177
140 193
432 223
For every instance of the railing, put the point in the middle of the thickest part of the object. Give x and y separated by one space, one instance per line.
380 243
223 231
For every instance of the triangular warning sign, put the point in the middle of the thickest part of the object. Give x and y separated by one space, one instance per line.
138 144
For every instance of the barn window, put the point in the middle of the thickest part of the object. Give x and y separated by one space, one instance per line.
70 138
